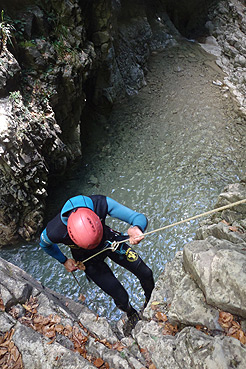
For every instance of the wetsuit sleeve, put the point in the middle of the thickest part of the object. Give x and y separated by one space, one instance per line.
51 248
122 212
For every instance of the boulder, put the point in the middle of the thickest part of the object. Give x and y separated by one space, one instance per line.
218 267
49 330
189 349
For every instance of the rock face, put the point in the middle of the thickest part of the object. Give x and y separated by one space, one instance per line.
227 26
68 57
64 56
201 290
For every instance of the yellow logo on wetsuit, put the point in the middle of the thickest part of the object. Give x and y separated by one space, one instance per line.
131 255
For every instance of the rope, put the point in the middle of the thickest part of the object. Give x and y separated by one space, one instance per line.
191 218
113 248
116 244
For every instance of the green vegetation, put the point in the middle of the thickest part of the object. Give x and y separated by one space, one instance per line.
6 30
27 43
15 96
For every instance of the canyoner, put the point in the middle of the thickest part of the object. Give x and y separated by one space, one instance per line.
81 226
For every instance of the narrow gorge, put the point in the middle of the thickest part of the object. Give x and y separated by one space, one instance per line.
144 103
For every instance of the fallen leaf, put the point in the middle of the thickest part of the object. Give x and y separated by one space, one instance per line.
104 342
48 331
198 327
11 345
233 229
38 319
82 297
51 341
118 346
98 362
169 329
81 351
56 319
3 351
2 307
59 328
225 316
161 316
28 308
15 353
225 222
152 366
143 350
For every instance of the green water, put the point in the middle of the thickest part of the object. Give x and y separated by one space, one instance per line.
167 152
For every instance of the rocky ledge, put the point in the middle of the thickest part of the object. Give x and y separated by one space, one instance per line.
196 317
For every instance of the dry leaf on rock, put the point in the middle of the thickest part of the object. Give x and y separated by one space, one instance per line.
59 328
118 346
225 222
82 297
2 307
152 366
15 353
55 319
161 317
3 351
169 329
154 305
231 327
233 229
98 362
9 354
225 319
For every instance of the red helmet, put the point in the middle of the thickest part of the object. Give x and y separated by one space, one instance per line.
85 228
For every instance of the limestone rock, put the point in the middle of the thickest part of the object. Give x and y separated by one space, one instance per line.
9 72
180 297
218 268
190 349
56 323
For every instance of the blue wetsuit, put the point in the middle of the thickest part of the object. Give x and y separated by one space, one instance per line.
96 269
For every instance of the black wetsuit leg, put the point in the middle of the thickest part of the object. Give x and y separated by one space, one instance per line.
126 257
102 275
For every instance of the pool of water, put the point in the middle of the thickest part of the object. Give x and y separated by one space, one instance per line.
167 152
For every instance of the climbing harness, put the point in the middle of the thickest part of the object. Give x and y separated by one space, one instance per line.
115 244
